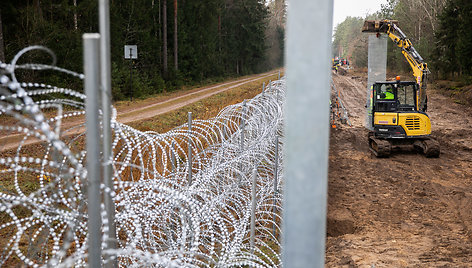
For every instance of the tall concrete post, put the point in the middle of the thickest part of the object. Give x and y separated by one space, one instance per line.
377 69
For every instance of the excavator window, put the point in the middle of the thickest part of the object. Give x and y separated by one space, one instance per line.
384 98
393 97
406 97
386 92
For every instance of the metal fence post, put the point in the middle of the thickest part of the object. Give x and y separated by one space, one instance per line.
263 88
189 148
92 85
253 209
105 67
276 175
172 153
224 134
243 124
241 144
306 132
277 94
279 75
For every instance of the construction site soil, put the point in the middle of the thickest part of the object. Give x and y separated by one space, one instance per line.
406 210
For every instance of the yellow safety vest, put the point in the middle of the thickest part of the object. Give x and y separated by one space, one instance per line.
389 96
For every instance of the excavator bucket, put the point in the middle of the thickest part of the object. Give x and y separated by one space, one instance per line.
376 26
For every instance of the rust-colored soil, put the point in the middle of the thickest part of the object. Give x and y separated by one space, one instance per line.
406 210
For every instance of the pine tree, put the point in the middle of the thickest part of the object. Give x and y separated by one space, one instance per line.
2 46
164 34
176 43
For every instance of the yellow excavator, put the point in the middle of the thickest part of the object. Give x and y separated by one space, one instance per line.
398 108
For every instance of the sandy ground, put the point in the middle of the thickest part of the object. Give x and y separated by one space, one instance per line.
407 210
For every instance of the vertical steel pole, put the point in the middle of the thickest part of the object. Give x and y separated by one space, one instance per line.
276 176
307 132
173 157
225 131
242 125
92 85
253 209
105 67
263 87
279 75
189 148
277 94
131 74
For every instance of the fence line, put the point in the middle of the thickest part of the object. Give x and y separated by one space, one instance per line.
162 218
338 110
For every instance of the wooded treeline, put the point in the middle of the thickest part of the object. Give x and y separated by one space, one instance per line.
179 41
439 29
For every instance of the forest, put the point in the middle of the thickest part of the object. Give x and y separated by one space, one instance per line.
188 42
440 30
180 42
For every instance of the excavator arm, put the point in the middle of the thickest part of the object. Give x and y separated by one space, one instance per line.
417 64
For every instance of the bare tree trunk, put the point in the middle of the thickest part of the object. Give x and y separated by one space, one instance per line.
419 30
219 36
164 33
160 33
153 16
2 47
37 8
75 16
176 44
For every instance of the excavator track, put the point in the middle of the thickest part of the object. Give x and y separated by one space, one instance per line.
429 147
379 147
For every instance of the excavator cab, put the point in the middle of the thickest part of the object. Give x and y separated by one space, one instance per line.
395 96
397 120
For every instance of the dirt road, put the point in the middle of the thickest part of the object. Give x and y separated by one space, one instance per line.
144 109
407 210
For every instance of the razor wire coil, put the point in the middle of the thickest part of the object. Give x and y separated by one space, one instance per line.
161 219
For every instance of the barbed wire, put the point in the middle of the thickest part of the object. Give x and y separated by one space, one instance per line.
182 198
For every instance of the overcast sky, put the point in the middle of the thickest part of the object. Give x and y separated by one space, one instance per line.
354 8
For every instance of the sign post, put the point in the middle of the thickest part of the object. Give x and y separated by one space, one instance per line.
131 53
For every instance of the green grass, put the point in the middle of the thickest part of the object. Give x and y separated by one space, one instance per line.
203 109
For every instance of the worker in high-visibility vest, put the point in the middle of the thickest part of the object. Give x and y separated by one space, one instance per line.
387 94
